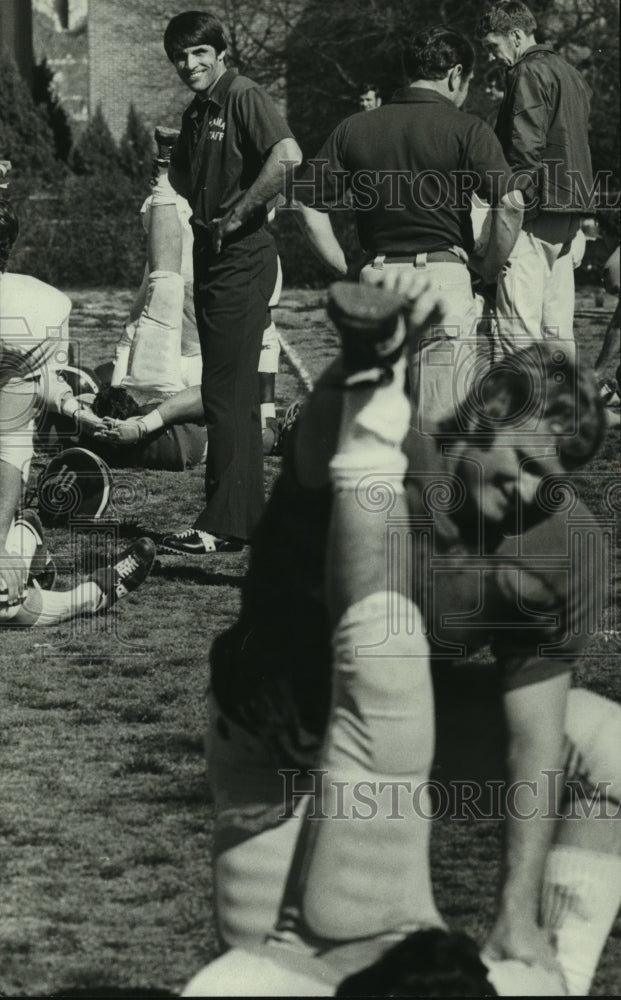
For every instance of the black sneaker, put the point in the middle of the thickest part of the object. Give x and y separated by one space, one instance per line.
126 573
372 338
193 542
42 568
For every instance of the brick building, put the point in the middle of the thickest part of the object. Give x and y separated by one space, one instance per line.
110 53
60 38
16 34
127 63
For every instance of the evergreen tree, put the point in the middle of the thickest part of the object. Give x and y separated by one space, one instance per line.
136 149
26 138
95 151
55 115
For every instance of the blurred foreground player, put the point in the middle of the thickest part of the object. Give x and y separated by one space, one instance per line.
356 890
501 571
33 343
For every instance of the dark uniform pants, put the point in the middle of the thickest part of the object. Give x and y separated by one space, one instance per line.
231 295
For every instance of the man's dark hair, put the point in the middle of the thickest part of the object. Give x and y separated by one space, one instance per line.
9 228
193 27
116 402
537 383
431 963
364 88
505 16
434 51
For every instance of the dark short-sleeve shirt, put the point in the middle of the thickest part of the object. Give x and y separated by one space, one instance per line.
411 167
223 144
535 597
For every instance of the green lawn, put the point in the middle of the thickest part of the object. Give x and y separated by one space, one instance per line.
106 819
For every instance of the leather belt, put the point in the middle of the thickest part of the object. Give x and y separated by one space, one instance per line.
419 259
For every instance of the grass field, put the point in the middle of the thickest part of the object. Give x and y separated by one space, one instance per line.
105 822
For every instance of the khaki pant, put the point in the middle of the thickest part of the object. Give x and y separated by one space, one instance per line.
536 294
447 359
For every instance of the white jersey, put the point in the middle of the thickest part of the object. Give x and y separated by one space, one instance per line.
266 971
34 323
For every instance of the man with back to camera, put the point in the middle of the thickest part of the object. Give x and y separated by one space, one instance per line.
412 167
542 126
230 161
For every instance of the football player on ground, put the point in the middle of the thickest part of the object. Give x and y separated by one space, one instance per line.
33 344
359 886
158 358
490 557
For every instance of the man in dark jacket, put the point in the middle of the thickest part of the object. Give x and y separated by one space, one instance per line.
543 129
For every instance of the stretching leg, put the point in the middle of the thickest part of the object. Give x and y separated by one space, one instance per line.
363 870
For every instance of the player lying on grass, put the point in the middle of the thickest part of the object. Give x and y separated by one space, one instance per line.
152 408
491 559
33 344
158 355
359 886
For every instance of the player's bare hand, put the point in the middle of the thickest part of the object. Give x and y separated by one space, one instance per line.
426 306
88 422
121 432
523 940
220 228
13 578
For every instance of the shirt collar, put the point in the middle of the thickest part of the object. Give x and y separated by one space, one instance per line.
419 95
529 52
217 95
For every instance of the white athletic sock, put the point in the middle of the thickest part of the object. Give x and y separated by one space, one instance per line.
85 599
22 541
374 423
267 410
579 902
163 192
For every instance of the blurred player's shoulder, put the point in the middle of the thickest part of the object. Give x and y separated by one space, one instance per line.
267 971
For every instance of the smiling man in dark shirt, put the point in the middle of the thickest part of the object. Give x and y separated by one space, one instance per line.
229 162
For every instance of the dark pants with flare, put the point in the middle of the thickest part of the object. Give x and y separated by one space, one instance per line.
231 294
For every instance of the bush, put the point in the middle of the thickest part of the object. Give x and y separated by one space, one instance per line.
85 228
86 233
136 150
